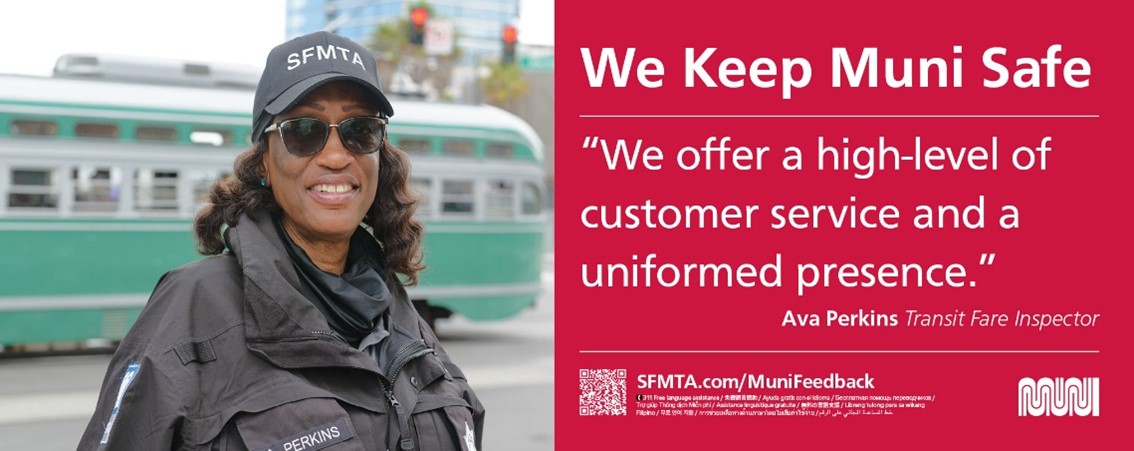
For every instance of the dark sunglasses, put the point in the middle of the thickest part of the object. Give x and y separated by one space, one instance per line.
305 136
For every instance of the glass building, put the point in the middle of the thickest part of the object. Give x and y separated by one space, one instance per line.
478 22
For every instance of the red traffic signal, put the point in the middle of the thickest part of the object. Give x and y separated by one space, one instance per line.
419 15
509 34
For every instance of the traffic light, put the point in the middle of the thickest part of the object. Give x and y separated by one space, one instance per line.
418 16
508 35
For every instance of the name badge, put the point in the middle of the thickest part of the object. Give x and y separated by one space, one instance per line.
313 439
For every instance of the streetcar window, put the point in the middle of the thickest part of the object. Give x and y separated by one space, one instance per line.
530 201
96 188
457 197
155 133
33 188
498 199
211 137
414 145
91 130
499 150
458 147
423 188
155 190
33 128
202 183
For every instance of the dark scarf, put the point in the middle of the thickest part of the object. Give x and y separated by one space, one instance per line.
353 302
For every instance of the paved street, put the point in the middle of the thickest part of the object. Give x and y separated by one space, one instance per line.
45 401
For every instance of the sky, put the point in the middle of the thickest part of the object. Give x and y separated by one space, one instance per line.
35 33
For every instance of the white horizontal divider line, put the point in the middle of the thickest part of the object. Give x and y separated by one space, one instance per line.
839 116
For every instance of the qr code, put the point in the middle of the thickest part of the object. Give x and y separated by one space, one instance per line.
602 392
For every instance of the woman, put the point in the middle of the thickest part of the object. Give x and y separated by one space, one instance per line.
300 336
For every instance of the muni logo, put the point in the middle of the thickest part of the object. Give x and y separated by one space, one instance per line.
1059 397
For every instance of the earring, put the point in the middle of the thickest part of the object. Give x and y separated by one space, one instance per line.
264 182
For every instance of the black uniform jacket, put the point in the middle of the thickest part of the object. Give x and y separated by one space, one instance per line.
229 355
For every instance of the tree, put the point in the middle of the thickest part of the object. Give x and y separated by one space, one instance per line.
504 86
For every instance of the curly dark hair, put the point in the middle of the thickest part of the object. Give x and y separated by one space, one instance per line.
391 216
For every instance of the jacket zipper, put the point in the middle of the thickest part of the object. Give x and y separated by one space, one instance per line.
415 349
411 351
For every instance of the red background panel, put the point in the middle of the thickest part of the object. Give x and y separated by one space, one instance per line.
1072 251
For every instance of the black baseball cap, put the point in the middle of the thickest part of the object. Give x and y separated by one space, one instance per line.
300 65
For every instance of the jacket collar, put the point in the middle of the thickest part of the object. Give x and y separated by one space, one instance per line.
280 324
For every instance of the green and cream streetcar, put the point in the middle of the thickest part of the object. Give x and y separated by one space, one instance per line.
100 180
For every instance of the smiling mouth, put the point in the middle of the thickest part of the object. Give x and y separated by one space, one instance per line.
333 189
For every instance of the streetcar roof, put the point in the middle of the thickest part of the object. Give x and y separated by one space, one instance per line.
94 94
97 93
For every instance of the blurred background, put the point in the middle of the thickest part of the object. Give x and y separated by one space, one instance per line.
117 115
